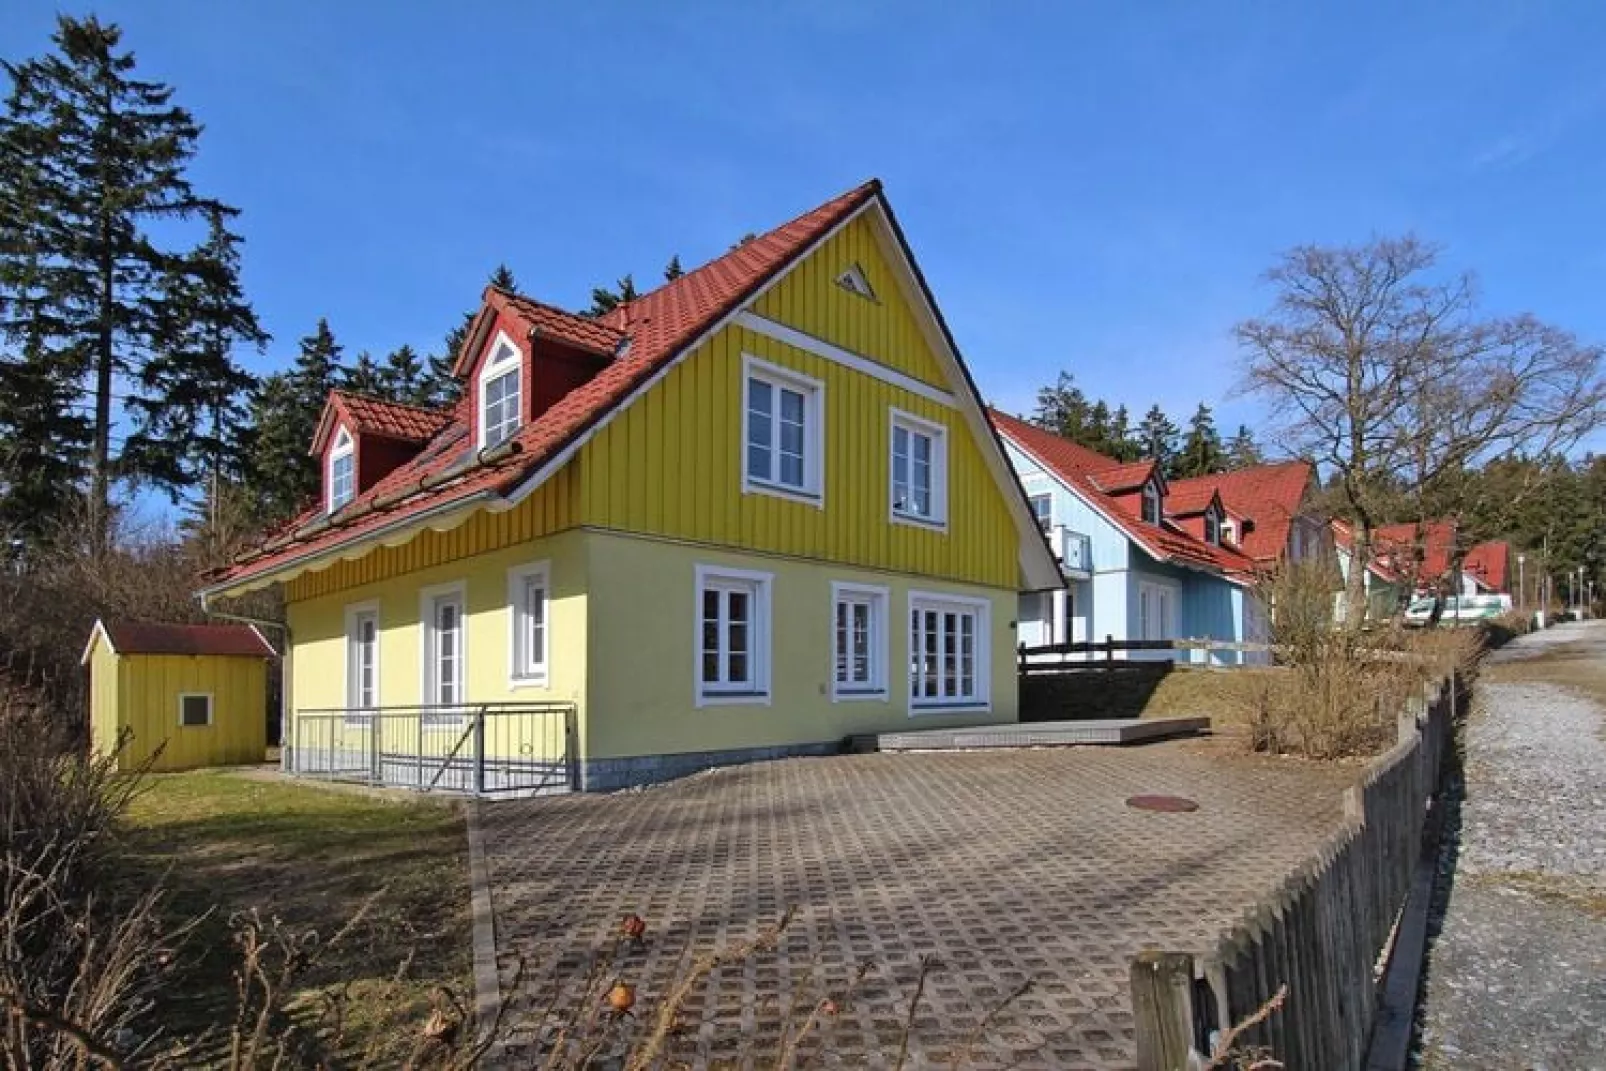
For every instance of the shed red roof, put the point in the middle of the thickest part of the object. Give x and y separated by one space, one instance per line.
448 474
1080 467
158 638
1269 495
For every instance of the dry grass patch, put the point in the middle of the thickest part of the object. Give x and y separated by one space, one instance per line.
230 844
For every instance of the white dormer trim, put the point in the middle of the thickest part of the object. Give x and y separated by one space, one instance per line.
341 489
1151 494
502 357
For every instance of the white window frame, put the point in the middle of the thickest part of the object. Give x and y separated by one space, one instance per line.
503 358
981 653
937 519
1150 495
528 668
356 613
1228 532
1045 522
755 691
344 449
210 709
429 690
878 599
812 490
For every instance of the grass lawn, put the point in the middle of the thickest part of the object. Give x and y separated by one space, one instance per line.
233 841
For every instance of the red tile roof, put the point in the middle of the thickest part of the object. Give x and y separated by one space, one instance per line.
1269 495
1421 549
365 415
150 637
1490 563
538 318
1119 476
1079 467
1185 498
447 474
1379 567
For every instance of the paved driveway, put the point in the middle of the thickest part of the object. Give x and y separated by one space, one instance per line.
1005 866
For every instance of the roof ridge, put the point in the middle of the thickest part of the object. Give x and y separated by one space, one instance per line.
346 392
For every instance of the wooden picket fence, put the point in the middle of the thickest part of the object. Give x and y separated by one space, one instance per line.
1323 934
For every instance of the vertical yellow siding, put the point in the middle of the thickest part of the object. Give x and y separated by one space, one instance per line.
686 444
885 329
551 508
149 687
104 670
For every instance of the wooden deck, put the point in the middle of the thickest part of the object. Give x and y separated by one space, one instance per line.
1111 731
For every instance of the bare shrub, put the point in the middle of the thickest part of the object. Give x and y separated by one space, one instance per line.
1343 689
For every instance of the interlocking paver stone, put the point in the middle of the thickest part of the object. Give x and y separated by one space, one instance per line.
1006 866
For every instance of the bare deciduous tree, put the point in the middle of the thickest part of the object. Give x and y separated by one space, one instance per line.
1388 376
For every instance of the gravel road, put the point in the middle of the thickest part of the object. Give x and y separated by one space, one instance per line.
1516 975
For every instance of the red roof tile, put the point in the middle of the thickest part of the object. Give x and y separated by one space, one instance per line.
150 637
1078 467
658 327
538 318
1490 563
365 415
1186 498
1123 476
1269 495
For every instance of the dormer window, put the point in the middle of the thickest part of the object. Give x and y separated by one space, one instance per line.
341 479
1212 527
500 382
1151 503
1228 536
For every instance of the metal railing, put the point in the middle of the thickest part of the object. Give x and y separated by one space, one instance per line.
480 749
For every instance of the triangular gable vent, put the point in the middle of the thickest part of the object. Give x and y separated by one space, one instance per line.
853 281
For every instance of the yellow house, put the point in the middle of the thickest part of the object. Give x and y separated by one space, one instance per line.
748 514
196 693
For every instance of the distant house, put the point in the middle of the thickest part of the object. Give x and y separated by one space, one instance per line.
1410 559
1135 569
1385 589
748 514
1270 511
177 696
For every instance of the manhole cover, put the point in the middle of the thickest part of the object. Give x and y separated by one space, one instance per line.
1167 804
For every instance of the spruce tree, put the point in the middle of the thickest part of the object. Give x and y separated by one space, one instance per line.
1201 453
673 270
1158 436
605 301
91 157
364 377
1242 450
192 396
439 386
1062 409
284 476
1122 448
403 379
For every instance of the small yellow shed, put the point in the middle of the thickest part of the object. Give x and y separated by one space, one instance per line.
200 690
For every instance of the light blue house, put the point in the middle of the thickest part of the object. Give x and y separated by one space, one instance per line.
1134 569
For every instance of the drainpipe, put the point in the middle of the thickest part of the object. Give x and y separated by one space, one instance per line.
284 667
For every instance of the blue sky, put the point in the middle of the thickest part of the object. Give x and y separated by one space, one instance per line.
1089 188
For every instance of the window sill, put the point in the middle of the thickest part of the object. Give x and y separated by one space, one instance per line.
515 684
914 520
877 695
733 699
922 709
751 486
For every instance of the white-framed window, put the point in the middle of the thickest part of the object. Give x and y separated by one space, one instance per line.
1151 503
919 467
858 641
783 425
528 598
949 652
1212 527
500 390
194 710
1043 510
362 661
1229 534
341 479
733 635
1157 611
445 649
